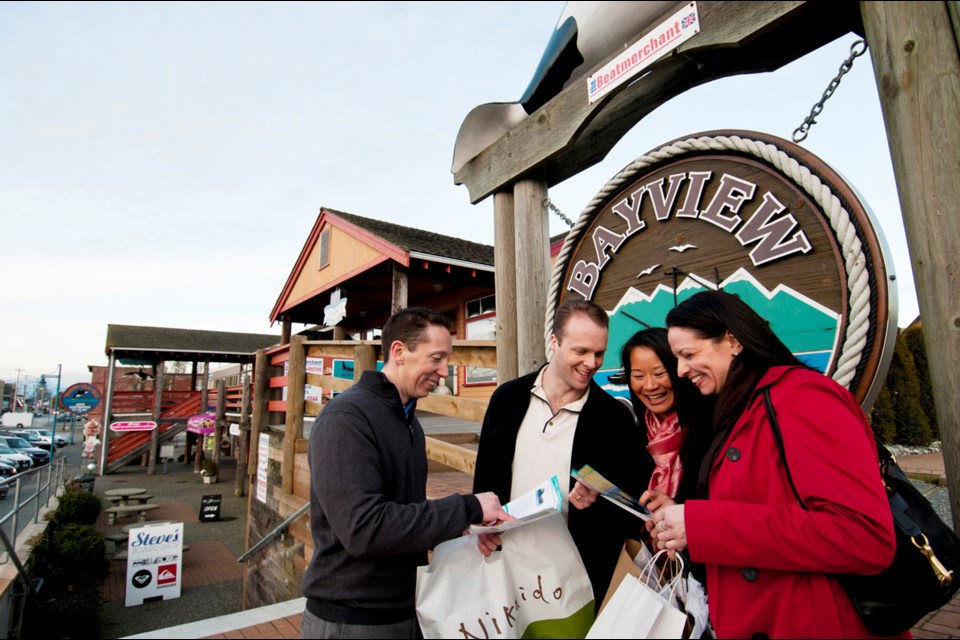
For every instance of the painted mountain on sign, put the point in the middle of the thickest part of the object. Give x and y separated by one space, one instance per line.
810 330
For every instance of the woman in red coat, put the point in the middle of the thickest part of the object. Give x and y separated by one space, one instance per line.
771 565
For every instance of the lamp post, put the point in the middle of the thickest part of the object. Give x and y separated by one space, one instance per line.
53 432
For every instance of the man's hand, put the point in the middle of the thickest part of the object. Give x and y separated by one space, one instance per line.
582 496
487 543
493 513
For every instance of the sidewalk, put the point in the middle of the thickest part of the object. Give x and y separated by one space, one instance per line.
925 464
212 579
212 590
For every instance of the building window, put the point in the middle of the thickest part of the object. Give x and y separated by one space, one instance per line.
481 324
324 248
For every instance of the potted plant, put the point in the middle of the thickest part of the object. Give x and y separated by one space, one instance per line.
209 471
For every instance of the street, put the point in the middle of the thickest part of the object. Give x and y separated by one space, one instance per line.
74 467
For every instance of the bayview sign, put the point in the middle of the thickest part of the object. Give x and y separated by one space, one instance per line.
754 215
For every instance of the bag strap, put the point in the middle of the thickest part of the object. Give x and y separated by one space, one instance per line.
778 438
898 506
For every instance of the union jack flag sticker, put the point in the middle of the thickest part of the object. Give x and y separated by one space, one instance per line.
688 21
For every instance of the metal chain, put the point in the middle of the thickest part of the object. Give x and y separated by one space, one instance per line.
548 204
857 49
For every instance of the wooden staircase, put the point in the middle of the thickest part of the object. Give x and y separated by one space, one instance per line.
128 446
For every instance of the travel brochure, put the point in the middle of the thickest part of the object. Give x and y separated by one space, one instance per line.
539 502
590 477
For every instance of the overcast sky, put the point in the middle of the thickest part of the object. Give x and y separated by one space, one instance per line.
161 164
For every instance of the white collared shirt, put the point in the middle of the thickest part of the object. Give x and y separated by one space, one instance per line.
545 442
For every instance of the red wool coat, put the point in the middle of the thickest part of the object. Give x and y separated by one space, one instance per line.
771 565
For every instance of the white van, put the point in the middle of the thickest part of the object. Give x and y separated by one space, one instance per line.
19 420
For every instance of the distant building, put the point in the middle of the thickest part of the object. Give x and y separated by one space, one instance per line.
376 267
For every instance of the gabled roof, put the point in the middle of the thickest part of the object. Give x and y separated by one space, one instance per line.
165 343
420 241
394 242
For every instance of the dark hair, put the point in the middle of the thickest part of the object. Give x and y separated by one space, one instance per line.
711 314
694 410
410 326
569 307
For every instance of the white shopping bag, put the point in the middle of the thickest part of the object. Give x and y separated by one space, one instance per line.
535 587
636 611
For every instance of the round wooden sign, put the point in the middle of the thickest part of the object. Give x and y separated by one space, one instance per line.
754 215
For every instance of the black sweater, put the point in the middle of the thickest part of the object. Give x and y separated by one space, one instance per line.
607 438
371 522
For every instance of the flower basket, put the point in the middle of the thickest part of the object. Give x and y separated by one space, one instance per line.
209 471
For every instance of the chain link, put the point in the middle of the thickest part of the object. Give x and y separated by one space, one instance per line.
857 49
548 204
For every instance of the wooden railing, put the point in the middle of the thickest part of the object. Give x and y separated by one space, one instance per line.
176 407
284 367
125 402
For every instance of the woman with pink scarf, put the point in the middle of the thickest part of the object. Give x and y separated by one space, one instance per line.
669 410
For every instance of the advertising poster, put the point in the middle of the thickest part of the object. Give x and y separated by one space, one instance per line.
154 561
263 462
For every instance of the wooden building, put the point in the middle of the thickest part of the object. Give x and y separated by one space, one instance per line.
374 268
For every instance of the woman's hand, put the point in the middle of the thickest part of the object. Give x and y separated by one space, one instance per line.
654 500
669 529
582 496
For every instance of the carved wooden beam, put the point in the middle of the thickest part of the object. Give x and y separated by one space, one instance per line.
568 134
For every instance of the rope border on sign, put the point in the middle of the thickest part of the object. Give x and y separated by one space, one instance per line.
841 224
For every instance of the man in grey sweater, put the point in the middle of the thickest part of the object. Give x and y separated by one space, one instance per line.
369 515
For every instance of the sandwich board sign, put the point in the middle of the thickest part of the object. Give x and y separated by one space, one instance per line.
154 563
210 507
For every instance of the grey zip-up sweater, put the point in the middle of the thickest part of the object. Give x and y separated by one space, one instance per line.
370 519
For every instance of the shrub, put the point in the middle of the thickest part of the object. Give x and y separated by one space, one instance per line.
209 467
70 560
80 507
69 551
913 428
882 419
917 348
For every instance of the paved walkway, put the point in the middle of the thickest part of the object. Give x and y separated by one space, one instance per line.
211 598
211 577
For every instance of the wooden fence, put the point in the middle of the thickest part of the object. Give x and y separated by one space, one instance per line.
284 369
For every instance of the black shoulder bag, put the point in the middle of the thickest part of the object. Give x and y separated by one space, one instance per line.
921 577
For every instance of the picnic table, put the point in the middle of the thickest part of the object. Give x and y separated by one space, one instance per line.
124 494
124 509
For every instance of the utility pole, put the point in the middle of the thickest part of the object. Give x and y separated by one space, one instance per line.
58 407
16 391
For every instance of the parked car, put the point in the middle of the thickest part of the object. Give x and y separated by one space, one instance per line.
34 438
59 439
20 460
39 456
6 471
